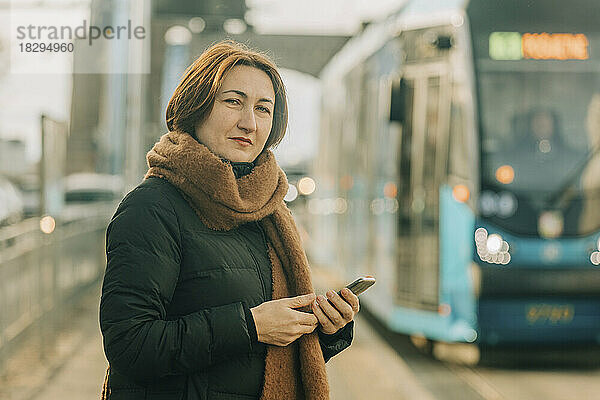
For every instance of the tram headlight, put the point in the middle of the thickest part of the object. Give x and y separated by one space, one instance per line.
594 253
493 244
492 248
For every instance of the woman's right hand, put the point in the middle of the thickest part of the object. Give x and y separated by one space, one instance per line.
278 323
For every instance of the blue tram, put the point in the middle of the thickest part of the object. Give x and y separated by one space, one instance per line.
458 163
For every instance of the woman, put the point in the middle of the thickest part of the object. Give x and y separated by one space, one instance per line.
207 291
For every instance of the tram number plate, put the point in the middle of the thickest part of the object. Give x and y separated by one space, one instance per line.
538 314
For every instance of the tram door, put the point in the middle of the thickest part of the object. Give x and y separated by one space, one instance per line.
421 99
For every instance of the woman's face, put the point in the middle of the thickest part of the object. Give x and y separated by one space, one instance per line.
239 124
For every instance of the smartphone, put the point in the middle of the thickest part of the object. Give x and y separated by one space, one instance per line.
361 284
358 286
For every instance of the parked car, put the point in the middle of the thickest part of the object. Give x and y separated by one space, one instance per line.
87 187
29 186
11 203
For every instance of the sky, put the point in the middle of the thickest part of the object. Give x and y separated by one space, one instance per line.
23 97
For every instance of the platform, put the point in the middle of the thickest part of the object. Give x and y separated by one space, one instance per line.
369 369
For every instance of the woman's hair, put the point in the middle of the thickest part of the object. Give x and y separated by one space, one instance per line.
194 97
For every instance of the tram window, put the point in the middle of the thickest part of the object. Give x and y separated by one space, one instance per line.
459 155
397 103
405 162
429 151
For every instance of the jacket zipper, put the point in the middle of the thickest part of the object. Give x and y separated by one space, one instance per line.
262 281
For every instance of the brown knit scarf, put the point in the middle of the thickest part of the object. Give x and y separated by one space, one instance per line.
222 202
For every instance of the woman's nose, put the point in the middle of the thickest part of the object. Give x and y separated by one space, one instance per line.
247 120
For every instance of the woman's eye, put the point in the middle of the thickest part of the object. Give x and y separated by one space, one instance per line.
232 101
264 109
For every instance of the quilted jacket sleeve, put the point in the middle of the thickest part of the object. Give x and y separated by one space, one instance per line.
143 250
334 344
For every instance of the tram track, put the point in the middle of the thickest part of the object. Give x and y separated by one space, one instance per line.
519 373
444 380
476 381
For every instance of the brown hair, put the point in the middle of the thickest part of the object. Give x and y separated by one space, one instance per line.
194 97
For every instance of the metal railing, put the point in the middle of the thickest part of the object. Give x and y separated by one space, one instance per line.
40 273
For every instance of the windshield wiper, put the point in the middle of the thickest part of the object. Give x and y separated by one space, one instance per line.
561 193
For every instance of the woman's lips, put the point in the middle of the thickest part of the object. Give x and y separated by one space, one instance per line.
241 142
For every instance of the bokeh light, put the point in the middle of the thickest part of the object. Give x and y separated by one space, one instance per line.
346 182
340 206
306 186
47 224
461 193
197 24
235 26
505 174
291 194
178 35
390 190
491 248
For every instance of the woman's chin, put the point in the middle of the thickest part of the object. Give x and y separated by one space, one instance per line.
238 155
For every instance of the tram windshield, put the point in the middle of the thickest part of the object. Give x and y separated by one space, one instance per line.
540 128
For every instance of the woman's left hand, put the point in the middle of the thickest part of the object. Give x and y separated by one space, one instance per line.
331 319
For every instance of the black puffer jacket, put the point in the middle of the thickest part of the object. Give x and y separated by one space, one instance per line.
175 302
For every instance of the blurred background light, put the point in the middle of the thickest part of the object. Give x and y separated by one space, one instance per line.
291 194
505 174
545 146
487 203
494 243
340 205
507 204
444 309
492 248
377 206
551 224
391 205
235 26
47 224
551 252
390 190
306 185
471 335
197 24
461 193
346 182
178 35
